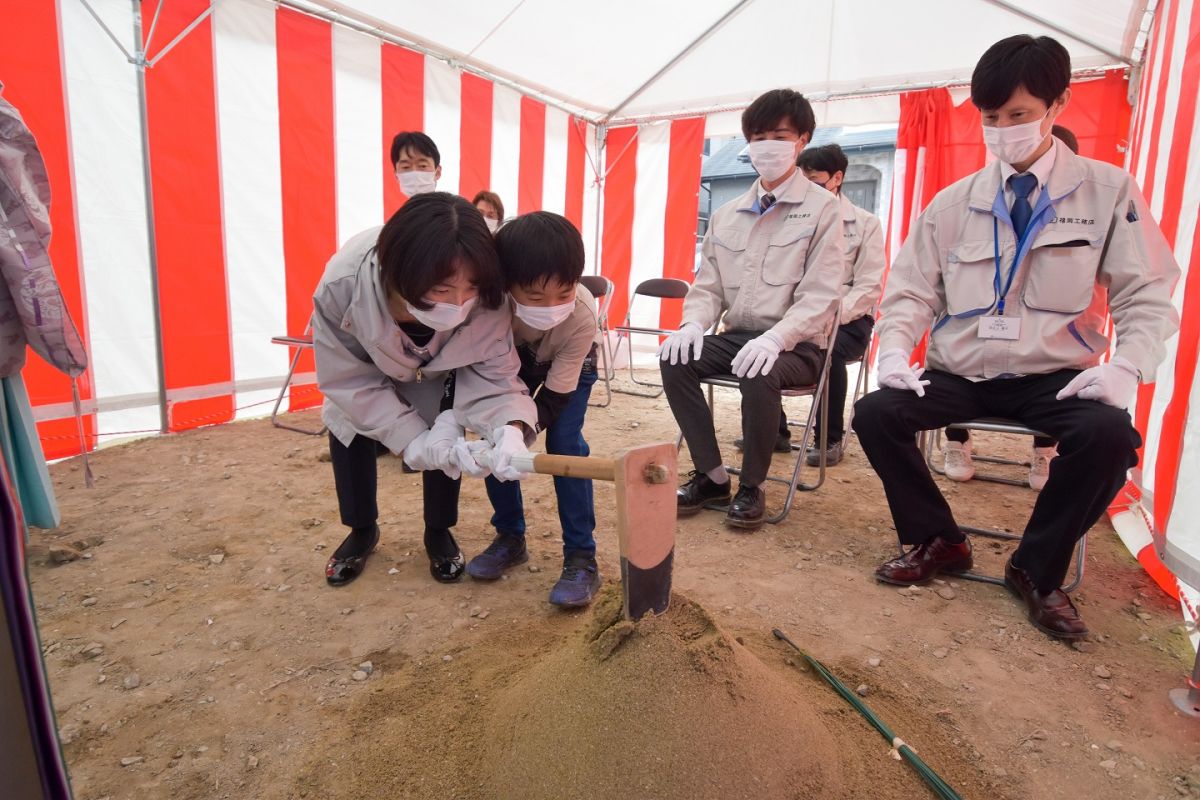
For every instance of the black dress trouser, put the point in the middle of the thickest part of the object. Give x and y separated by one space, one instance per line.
761 400
1097 444
355 477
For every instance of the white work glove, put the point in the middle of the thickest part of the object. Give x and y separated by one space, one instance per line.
688 339
1113 384
416 454
439 447
895 372
507 441
757 356
466 456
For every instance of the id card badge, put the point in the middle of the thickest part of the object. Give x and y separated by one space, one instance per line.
1000 328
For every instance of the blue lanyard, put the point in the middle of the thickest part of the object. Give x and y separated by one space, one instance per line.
1036 223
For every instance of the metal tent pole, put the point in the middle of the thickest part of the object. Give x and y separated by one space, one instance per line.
1188 700
139 63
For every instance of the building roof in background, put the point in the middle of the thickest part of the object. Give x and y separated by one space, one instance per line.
731 160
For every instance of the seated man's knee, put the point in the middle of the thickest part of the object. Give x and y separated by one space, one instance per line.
874 410
761 385
1103 430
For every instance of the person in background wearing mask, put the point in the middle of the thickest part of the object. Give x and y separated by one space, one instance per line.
490 206
959 464
1013 268
413 344
771 272
417 162
555 330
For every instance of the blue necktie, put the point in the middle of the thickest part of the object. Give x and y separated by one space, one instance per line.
1021 211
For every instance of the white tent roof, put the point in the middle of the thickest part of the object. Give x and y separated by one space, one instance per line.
626 60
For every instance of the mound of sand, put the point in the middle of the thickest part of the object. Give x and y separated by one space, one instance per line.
593 706
669 707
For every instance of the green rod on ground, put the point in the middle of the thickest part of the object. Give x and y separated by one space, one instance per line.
939 786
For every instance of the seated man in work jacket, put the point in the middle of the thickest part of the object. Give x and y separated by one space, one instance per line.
1014 268
771 271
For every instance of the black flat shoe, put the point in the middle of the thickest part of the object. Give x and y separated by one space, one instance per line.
340 571
447 570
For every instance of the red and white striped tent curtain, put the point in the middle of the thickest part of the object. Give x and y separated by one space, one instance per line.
268 138
1165 157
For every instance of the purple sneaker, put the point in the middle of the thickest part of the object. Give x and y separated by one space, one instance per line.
505 552
579 582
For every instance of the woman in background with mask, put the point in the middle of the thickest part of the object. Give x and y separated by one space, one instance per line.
413 345
417 162
492 209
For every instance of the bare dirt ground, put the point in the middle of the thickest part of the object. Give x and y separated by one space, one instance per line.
195 650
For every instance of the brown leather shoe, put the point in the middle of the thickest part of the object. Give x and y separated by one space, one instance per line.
1051 612
925 562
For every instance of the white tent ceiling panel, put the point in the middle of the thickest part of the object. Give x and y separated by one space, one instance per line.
596 56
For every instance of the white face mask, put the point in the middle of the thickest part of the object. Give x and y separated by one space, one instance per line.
443 316
493 224
544 317
414 183
1016 143
772 158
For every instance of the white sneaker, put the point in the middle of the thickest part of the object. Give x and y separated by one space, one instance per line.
1039 466
959 466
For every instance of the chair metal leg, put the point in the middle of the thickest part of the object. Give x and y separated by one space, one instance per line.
1080 556
633 376
606 372
279 401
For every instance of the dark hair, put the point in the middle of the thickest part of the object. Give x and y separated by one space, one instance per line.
428 240
1041 65
827 158
1066 137
490 197
417 142
540 246
778 104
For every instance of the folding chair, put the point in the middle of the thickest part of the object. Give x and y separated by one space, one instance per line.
301 343
818 390
661 289
928 441
602 289
861 384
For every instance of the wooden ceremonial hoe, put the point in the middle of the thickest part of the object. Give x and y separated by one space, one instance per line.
645 479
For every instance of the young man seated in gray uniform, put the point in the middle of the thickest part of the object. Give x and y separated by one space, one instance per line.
771 272
1015 268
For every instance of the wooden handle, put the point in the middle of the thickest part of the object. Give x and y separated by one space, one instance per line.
597 469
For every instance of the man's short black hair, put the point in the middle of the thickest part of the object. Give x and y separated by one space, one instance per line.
826 158
1041 65
768 109
417 142
431 237
1066 136
540 246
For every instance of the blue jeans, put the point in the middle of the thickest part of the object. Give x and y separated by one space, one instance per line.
576 513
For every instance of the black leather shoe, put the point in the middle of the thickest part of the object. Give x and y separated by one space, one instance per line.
449 569
340 571
1051 612
783 444
699 491
748 508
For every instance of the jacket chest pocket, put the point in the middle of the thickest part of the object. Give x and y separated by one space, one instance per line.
729 247
970 277
786 256
1062 273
